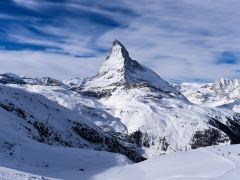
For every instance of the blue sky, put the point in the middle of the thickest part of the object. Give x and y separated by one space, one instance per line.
181 40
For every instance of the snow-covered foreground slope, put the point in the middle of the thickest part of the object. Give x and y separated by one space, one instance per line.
9 174
217 162
57 162
221 93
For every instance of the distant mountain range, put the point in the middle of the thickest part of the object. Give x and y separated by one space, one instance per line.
221 93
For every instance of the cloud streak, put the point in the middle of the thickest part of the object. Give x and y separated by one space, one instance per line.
192 35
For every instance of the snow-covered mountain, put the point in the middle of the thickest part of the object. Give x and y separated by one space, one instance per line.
150 108
32 117
120 70
126 108
221 93
217 162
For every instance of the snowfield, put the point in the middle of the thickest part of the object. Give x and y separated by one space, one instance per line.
217 162
57 162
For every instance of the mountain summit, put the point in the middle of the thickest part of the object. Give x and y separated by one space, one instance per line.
117 61
119 69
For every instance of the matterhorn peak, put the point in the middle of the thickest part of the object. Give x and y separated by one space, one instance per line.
117 59
117 42
118 47
119 70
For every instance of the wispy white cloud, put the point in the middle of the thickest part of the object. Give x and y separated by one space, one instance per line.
32 4
183 39
180 40
29 63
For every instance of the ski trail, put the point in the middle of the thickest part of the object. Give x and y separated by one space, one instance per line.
233 165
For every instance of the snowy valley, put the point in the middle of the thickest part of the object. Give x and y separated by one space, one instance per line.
124 123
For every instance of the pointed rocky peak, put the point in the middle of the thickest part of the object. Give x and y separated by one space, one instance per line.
118 49
117 60
117 43
119 70
226 85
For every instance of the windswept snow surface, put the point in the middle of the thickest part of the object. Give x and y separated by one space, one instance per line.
56 162
11 174
217 162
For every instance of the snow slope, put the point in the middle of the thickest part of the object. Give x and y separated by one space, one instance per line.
217 162
56 162
88 108
41 139
32 116
10 174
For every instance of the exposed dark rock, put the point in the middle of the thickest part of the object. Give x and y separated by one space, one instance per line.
207 137
97 94
164 144
11 107
231 128
141 139
110 142
8 148
47 134
47 81
87 133
10 79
